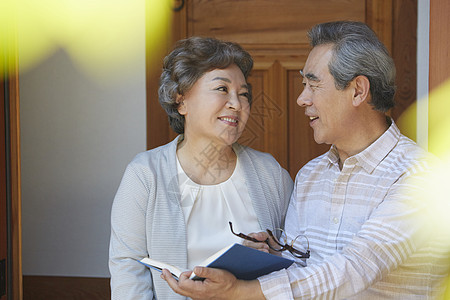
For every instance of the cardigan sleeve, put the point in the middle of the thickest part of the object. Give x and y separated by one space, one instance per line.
270 187
286 186
129 278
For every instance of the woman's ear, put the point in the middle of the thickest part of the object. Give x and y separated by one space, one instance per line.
361 90
181 105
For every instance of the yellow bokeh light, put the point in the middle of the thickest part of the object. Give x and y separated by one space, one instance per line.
101 37
439 122
436 192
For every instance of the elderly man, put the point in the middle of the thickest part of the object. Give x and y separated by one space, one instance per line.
368 235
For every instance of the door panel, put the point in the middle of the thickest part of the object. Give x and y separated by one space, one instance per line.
256 22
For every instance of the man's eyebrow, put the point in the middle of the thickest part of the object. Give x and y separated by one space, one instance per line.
309 76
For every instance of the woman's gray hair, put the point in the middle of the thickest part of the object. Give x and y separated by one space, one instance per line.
190 59
358 51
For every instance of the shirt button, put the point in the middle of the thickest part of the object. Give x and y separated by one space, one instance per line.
335 220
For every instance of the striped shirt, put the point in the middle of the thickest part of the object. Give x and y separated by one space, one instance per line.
369 236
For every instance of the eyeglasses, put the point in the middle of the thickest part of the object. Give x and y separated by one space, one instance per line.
281 246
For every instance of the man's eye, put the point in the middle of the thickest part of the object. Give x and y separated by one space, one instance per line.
222 88
311 86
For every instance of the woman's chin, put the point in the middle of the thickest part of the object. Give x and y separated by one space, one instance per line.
229 138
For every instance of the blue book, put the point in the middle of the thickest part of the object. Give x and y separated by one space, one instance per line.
243 262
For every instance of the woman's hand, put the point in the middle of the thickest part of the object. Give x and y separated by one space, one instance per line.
264 237
260 236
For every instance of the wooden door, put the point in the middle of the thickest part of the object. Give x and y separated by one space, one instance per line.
274 32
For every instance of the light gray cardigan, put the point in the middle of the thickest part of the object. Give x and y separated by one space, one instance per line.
147 219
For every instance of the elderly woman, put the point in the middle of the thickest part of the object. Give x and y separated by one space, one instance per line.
174 202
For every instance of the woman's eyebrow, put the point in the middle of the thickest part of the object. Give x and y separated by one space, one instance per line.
229 81
222 78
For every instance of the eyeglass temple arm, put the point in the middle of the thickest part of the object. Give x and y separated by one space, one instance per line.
274 239
246 237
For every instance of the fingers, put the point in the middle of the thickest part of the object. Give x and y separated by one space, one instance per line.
218 284
171 281
183 286
209 273
260 236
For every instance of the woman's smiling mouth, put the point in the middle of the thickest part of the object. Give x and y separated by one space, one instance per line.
229 120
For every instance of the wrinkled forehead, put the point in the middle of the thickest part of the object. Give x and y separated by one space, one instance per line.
317 62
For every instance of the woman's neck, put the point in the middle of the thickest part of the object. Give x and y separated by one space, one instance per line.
206 162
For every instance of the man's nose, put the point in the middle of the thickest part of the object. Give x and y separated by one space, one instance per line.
304 98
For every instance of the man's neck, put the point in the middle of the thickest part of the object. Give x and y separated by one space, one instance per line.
362 137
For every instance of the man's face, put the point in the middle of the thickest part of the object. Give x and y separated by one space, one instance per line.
328 108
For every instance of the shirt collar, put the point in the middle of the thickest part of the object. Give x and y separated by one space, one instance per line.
373 155
333 155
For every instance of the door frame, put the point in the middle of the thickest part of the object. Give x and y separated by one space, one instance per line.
9 96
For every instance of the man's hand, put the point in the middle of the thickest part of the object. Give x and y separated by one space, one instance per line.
218 284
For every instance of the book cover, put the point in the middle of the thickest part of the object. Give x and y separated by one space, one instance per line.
243 262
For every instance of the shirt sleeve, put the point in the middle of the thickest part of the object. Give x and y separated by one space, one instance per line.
129 278
394 230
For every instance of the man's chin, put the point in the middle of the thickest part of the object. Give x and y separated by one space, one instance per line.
318 139
321 140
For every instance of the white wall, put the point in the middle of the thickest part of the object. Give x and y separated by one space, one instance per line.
77 135
423 58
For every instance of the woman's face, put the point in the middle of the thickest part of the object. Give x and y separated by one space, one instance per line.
216 108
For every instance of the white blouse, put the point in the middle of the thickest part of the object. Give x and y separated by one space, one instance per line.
207 210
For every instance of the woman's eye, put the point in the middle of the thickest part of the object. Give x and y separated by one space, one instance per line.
222 89
246 95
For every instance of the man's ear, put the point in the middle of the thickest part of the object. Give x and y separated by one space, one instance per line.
181 105
361 90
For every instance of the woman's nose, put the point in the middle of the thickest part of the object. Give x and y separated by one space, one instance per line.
234 102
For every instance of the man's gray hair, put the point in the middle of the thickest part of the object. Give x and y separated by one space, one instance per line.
358 51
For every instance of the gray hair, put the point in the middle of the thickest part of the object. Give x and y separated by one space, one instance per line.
190 59
358 51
